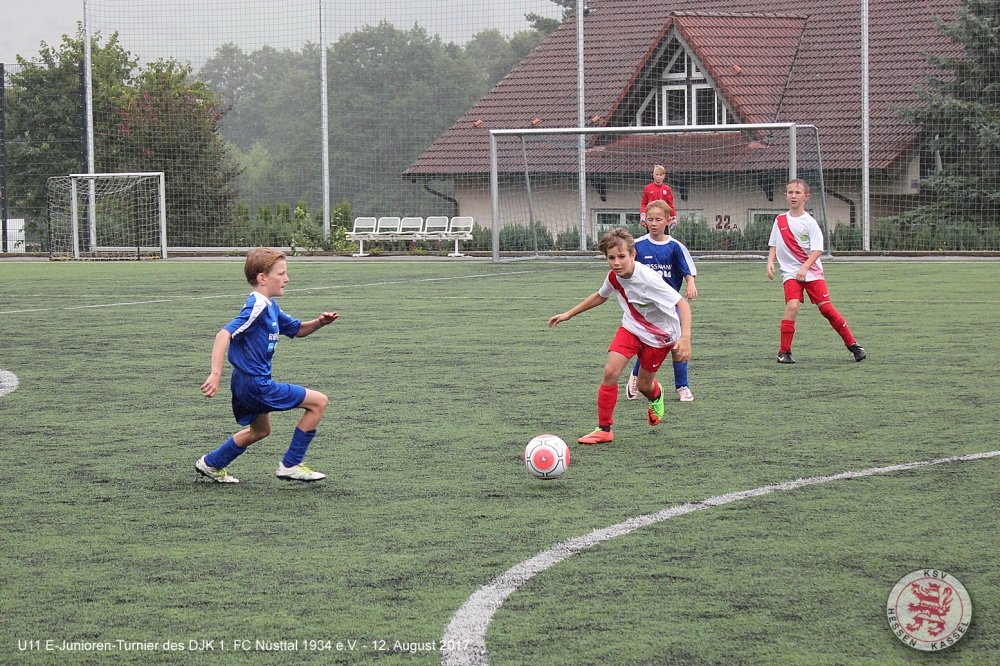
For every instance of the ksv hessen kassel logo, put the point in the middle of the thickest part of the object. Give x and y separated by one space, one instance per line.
929 609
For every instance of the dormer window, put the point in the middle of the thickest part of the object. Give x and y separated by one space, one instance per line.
683 96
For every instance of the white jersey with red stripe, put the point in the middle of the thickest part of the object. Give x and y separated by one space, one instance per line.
649 303
794 239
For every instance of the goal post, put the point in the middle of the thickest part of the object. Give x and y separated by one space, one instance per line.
107 215
727 181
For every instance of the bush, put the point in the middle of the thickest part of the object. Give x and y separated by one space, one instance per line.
846 239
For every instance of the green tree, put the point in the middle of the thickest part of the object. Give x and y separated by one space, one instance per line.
547 25
45 113
496 56
960 117
170 125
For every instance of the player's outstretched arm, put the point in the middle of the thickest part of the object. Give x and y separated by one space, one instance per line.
591 301
314 325
211 385
682 348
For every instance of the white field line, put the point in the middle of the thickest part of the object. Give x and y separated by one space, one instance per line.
8 382
243 294
464 641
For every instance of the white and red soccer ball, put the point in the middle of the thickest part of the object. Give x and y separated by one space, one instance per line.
546 457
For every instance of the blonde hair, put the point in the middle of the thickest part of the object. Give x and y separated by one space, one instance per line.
666 208
260 260
659 167
798 181
615 237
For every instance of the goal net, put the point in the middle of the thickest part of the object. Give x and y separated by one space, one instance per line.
107 216
728 184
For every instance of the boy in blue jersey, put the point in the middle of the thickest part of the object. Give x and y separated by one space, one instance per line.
668 257
250 340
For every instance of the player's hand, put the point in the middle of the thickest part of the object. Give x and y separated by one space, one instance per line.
801 274
327 318
558 318
770 271
211 386
691 292
682 350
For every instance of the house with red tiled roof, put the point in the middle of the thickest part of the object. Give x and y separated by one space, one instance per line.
711 62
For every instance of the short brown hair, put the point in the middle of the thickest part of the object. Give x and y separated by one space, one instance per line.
799 181
260 260
614 238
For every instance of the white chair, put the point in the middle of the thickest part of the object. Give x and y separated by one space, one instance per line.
435 228
410 228
460 229
364 229
387 228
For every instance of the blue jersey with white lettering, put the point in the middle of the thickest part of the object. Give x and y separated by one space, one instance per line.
669 258
255 333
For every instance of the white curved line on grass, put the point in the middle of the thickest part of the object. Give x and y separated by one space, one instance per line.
8 382
464 641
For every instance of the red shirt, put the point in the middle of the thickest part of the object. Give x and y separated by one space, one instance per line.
654 192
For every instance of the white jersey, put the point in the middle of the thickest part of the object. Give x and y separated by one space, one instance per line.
794 239
649 304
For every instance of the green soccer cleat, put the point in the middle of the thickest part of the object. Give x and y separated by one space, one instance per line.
298 473
217 475
655 412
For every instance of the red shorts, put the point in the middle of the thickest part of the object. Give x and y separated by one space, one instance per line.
817 290
628 345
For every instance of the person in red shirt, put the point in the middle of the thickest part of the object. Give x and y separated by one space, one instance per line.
658 190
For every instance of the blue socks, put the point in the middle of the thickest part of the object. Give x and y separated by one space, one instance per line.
224 455
297 449
680 374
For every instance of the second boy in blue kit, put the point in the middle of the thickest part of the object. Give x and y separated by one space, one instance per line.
668 257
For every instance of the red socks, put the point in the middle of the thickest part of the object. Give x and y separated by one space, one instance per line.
787 333
607 398
838 322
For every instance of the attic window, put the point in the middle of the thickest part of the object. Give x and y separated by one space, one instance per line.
681 94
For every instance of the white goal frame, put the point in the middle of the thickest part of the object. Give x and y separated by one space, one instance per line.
790 128
74 178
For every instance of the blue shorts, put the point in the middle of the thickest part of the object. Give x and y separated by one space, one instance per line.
253 396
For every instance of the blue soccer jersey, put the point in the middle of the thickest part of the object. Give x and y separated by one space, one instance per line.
669 258
255 333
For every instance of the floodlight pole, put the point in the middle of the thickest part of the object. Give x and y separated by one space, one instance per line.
324 121
89 101
865 134
581 120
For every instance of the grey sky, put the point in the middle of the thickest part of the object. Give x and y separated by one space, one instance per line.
191 29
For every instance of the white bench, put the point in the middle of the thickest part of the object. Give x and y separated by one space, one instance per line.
388 228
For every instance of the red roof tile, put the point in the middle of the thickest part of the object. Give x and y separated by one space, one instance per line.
798 61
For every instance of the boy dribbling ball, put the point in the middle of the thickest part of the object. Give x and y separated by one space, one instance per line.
655 320
253 336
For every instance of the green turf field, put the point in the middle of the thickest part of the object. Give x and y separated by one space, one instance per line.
438 373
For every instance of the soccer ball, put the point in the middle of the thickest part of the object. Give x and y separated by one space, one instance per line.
546 457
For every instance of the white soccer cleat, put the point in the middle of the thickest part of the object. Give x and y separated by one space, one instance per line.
632 388
298 473
217 475
685 395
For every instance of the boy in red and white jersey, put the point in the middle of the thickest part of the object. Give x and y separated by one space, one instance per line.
797 243
656 320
